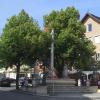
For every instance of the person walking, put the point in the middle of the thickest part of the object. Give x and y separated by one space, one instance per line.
26 82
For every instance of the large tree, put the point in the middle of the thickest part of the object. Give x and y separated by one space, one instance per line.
19 41
71 45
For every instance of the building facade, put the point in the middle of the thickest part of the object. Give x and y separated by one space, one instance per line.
92 24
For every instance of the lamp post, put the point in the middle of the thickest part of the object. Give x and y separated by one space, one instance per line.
52 52
52 61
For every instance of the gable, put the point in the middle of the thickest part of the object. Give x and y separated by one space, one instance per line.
93 17
95 25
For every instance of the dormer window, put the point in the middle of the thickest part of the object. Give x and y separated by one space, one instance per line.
89 28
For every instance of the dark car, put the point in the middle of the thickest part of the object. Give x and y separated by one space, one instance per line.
5 82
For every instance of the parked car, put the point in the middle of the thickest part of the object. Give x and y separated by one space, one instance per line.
12 80
5 82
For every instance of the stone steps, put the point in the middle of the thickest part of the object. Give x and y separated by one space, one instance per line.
63 87
63 82
71 89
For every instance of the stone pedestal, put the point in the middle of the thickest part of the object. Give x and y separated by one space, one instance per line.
58 85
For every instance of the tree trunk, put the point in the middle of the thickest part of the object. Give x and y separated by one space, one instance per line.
17 76
59 64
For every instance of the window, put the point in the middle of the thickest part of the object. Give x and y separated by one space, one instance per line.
89 27
97 57
97 39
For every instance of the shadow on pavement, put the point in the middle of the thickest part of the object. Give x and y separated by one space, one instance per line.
9 93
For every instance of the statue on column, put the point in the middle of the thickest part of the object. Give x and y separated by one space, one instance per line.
65 71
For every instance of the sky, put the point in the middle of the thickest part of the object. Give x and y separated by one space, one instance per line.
38 8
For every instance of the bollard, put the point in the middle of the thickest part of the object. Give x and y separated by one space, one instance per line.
98 86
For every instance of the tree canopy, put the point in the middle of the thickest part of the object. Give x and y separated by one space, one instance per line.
22 41
71 45
19 40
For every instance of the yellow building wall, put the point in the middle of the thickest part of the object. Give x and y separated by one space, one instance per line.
95 32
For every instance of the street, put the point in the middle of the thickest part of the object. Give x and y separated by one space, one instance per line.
9 93
20 96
